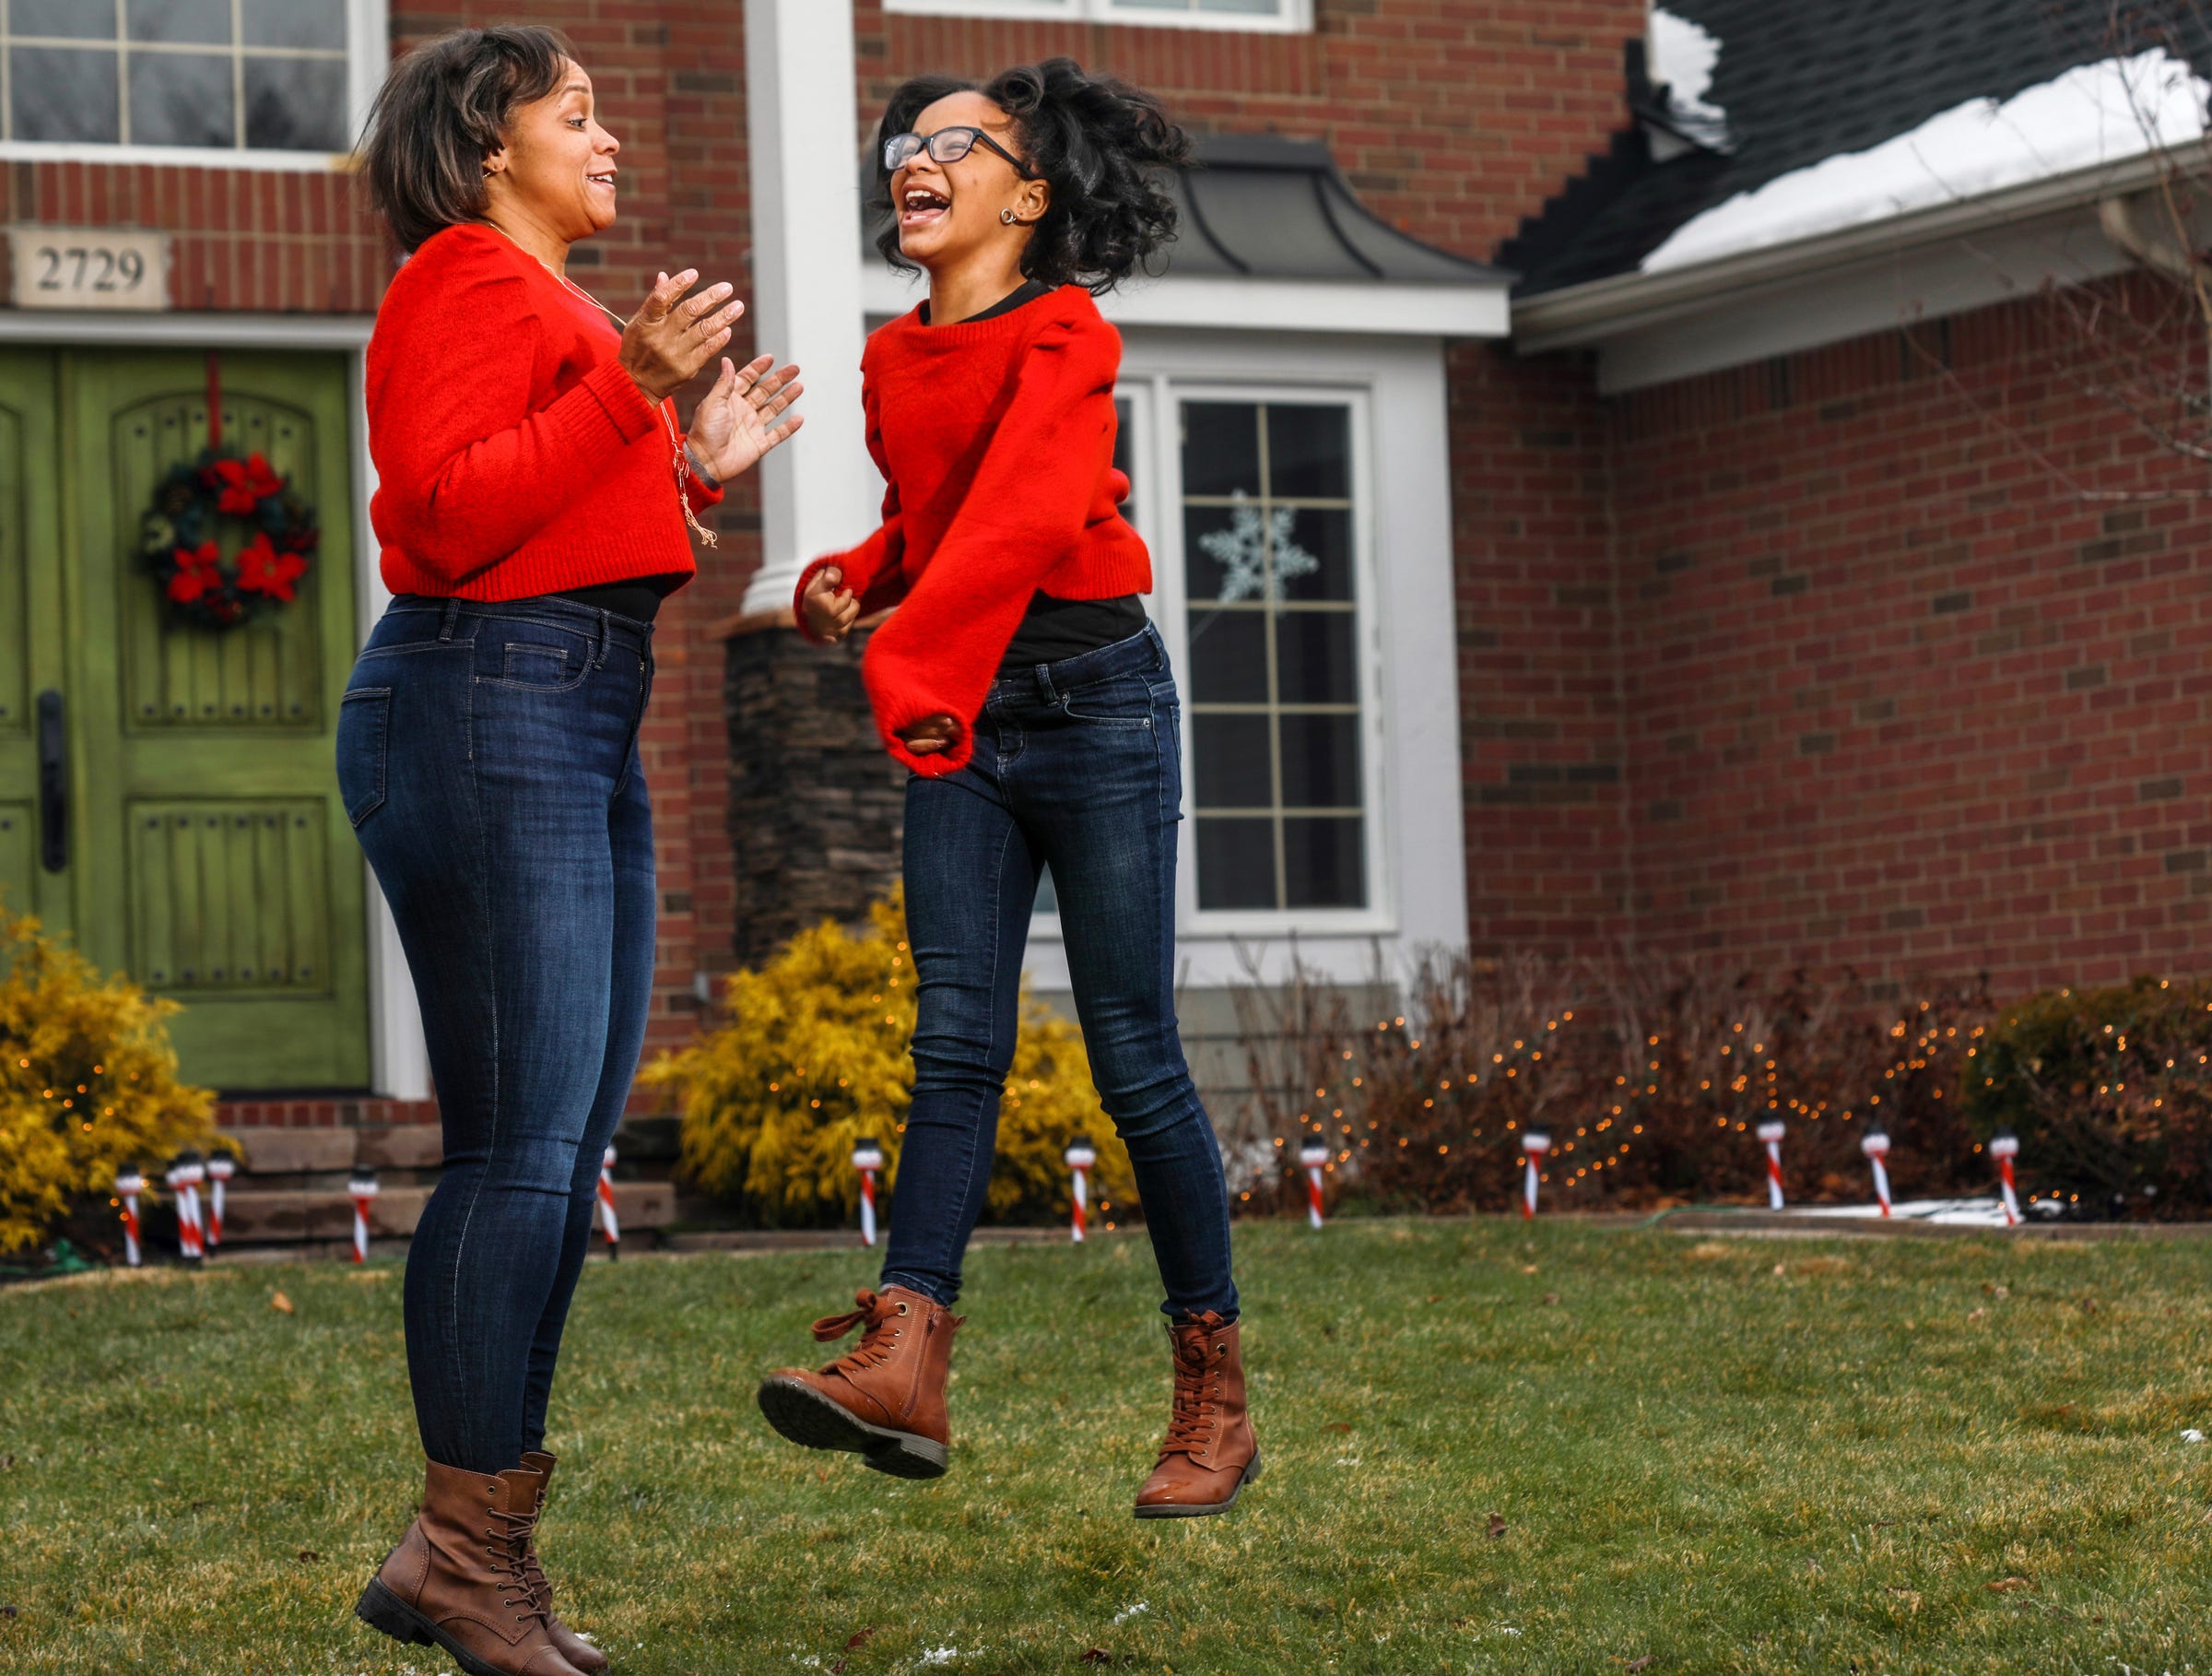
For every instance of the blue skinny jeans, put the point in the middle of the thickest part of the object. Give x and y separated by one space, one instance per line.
1077 765
488 755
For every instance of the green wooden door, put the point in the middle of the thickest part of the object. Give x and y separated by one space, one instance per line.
208 856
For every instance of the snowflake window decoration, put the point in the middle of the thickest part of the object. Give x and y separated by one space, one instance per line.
1242 552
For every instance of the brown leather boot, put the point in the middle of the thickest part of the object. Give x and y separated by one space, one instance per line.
885 1397
1210 1452
574 1648
457 1580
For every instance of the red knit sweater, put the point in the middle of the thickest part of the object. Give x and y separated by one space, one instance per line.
513 455
996 440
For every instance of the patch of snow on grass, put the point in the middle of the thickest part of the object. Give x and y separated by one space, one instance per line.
1683 54
1128 1612
2104 112
938 1654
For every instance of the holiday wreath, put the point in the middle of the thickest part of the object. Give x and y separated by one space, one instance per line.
178 543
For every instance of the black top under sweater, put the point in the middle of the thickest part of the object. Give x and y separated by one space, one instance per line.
1054 628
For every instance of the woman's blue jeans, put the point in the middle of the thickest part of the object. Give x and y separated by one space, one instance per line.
1077 766
488 755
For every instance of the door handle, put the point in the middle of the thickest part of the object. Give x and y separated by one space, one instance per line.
54 784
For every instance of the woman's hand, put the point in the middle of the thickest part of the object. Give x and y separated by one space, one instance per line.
673 335
734 425
830 609
929 734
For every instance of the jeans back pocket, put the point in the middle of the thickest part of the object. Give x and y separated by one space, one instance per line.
364 729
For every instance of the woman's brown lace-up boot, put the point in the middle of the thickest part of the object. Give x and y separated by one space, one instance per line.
458 1579
884 1398
574 1648
1210 1452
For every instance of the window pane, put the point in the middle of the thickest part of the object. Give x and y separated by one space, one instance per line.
1323 863
1254 8
1220 448
1313 656
206 21
1233 766
1229 657
1309 453
182 98
78 20
1236 863
64 95
1321 761
294 104
1313 554
293 23
1125 446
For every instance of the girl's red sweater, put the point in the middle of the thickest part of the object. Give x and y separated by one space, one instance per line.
996 440
513 455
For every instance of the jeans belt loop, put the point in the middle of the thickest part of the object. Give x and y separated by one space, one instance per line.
452 615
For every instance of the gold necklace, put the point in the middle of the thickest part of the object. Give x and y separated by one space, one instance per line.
682 462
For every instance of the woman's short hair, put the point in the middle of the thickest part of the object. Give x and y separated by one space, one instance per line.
1104 147
443 108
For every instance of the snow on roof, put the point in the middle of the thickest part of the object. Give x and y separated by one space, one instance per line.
1683 54
2103 112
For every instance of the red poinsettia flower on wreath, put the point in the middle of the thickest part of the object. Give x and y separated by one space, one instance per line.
264 571
243 485
198 573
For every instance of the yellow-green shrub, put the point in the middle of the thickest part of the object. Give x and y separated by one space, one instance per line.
813 1056
87 1084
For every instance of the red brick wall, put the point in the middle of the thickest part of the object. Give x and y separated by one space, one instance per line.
1896 697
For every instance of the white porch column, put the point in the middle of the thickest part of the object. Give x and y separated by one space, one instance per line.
820 492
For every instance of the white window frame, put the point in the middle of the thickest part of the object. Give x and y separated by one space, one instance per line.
367 57
1296 16
1172 578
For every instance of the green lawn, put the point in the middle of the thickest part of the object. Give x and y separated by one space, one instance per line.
1707 1456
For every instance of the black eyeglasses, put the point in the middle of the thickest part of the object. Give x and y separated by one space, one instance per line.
945 146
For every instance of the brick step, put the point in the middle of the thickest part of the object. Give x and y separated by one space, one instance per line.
264 1216
646 1149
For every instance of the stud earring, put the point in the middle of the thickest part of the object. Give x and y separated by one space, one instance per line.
1008 217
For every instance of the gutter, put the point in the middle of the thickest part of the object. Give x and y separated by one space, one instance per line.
1579 316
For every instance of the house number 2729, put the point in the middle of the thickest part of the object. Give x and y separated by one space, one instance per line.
72 269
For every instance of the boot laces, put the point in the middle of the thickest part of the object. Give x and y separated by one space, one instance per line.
513 1559
878 1314
1199 1395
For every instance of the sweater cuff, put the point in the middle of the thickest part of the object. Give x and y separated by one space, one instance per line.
632 412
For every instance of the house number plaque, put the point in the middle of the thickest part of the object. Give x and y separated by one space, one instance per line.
86 268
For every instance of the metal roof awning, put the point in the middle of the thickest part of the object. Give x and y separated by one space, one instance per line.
1272 239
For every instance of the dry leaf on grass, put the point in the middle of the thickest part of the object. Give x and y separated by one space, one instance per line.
1097 1655
308 1556
1497 1526
1551 1297
2006 1585
1529 1268
279 1303
1644 1663
860 1639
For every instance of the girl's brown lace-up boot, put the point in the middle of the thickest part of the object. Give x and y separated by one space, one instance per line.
459 1579
1210 1452
574 1648
884 1398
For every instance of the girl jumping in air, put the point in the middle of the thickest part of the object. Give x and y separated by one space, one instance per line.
1020 682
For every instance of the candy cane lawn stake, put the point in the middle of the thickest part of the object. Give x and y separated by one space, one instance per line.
867 1157
362 1188
128 1187
2004 1149
1535 1145
185 1174
1769 1134
1315 1158
219 1172
606 1206
1080 1157
1876 1145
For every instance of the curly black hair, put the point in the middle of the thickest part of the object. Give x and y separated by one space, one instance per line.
1100 144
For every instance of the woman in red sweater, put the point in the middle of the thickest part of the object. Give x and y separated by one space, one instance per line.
533 493
1020 683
